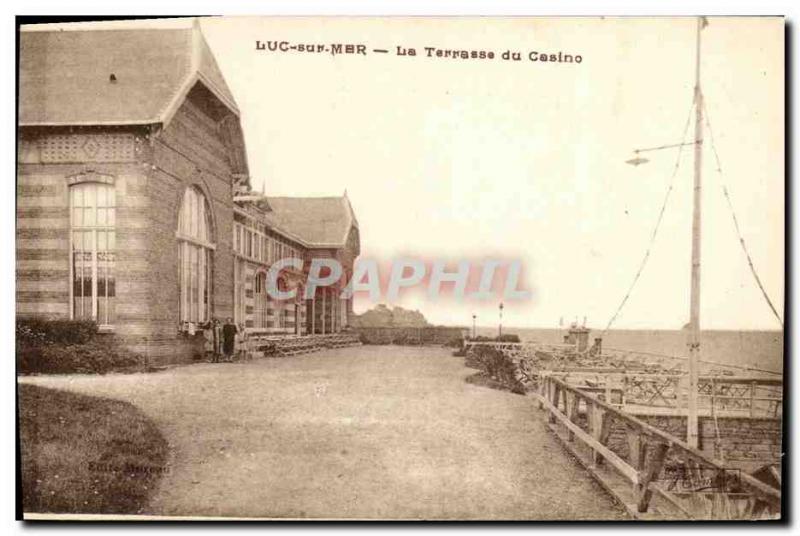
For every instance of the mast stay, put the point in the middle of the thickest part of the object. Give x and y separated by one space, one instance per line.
729 203
701 117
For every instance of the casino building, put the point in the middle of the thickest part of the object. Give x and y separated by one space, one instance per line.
134 201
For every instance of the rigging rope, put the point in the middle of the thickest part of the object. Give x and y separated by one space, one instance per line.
736 220
658 223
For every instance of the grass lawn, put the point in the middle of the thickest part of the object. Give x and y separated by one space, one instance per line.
84 454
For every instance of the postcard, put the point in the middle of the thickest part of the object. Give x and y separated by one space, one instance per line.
401 268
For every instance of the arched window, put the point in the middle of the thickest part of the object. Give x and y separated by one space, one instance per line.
195 247
92 220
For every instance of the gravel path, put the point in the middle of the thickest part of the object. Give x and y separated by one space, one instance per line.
365 432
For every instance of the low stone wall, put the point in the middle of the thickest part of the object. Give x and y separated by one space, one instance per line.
434 335
746 443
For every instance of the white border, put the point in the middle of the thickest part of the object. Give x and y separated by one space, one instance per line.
320 7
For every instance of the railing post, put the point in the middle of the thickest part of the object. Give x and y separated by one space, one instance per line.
713 397
624 390
591 422
616 382
651 467
542 391
601 422
572 403
556 394
753 398
636 448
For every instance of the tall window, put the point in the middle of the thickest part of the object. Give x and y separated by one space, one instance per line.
248 243
277 305
237 237
93 239
239 275
195 247
260 305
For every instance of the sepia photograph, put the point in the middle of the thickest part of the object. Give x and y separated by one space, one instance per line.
439 268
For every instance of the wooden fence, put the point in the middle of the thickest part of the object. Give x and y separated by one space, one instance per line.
731 395
689 482
592 402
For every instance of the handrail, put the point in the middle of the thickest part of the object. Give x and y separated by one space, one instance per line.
719 379
572 347
498 343
764 490
669 387
622 373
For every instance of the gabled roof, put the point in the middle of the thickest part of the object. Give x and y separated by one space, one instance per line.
64 74
317 221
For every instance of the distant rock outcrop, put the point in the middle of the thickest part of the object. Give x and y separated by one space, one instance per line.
384 316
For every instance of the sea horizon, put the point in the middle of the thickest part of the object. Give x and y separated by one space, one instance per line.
758 348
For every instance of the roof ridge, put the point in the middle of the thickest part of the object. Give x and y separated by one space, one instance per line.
305 197
322 221
214 78
64 76
112 25
198 50
179 94
349 206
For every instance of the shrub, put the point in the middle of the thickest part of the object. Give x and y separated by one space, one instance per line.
36 331
97 356
455 342
497 366
67 346
460 352
471 360
400 338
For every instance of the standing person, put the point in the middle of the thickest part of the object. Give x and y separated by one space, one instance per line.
229 331
208 336
244 345
216 331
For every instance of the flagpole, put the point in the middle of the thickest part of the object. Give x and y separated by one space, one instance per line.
694 306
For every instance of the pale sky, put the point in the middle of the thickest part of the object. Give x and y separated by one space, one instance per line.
466 158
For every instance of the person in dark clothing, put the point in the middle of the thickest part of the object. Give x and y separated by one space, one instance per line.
216 337
229 331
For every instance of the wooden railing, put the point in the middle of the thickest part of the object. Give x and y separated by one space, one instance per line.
651 458
731 395
749 396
